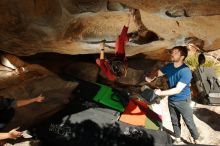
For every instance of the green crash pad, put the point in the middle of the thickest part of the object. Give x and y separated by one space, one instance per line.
107 97
152 124
152 120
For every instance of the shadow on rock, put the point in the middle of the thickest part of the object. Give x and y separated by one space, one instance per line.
209 117
90 133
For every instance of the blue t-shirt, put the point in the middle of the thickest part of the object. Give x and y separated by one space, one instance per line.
181 74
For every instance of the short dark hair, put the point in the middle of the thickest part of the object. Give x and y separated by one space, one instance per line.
183 50
118 68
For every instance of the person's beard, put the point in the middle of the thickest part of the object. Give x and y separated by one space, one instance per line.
172 59
175 59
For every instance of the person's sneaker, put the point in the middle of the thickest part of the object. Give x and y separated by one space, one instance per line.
198 141
177 141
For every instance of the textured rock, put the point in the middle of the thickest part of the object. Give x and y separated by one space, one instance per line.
37 80
191 8
82 70
74 26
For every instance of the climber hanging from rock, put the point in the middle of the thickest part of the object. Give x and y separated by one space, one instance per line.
116 66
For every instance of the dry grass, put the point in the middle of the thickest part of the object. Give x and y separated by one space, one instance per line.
192 62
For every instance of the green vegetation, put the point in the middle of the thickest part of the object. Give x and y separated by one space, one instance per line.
192 62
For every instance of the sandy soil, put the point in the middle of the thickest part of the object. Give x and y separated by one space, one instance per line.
207 119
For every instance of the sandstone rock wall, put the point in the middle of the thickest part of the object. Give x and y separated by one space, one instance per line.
75 26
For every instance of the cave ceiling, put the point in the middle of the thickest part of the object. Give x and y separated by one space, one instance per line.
75 27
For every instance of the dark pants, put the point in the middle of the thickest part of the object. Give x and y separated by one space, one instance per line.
5 117
182 108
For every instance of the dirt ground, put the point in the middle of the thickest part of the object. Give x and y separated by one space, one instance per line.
207 119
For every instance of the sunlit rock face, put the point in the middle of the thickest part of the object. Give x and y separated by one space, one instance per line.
76 26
